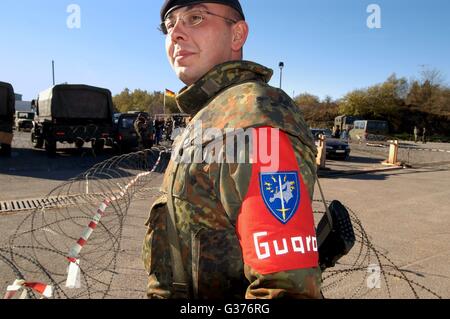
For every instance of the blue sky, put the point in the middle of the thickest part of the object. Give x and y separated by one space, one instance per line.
325 44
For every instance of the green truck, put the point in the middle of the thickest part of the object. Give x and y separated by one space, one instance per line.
73 114
369 130
7 111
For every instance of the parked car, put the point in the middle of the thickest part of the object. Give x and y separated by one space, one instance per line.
116 117
125 137
336 148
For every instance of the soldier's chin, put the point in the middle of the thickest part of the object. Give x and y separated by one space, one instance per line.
186 75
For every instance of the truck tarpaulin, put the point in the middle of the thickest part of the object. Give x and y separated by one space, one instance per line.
7 100
76 102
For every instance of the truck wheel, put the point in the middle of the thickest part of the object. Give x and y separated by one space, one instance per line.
37 142
50 147
98 145
79 144
5 150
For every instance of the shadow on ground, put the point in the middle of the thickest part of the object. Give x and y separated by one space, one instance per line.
66 164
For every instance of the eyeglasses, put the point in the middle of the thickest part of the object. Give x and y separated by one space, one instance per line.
190 19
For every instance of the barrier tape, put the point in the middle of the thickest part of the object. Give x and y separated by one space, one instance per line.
426 149
73 273
435 150
43 289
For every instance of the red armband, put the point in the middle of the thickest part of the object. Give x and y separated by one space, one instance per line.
276 225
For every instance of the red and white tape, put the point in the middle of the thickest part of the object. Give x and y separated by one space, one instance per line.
73 274
87 232
19 284
157 162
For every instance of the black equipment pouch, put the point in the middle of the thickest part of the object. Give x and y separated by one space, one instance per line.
335 233
338 239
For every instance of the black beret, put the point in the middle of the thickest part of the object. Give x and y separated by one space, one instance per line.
170 5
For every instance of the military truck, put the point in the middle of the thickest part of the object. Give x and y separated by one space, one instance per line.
345 122
7 110
24 121
73 113
370 130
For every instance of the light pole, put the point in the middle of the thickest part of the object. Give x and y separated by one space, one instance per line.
281 65
53 72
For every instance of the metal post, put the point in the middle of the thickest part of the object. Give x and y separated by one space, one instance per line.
53 71
281 65
281 77
322 152
87 184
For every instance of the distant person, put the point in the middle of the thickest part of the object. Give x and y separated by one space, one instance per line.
337 133
424 136
169 129
176 130
141 127
150 134
416 134
344 134
159 128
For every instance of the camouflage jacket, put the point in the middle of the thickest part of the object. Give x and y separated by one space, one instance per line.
209 197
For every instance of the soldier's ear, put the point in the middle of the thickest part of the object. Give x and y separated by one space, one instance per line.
240 34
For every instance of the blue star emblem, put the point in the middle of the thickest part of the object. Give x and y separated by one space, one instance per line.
281 194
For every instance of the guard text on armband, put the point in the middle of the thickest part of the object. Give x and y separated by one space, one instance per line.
301 245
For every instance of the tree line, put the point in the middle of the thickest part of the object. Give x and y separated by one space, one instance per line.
144 101
423 102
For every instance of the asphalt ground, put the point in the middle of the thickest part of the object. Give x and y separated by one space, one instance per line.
404 212
409 153
406 215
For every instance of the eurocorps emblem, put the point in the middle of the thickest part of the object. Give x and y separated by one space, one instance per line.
281 194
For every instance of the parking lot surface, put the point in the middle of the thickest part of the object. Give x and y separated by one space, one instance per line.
404 211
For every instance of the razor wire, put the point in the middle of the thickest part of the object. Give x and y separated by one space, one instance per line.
86 238
47 244
367 272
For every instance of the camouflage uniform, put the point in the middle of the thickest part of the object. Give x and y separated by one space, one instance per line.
141 126
208 197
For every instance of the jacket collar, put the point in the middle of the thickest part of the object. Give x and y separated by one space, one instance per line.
192 99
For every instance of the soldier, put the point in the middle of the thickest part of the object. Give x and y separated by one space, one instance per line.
226 229
141 128
168 129
150 133
416 133
424 135
159 128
